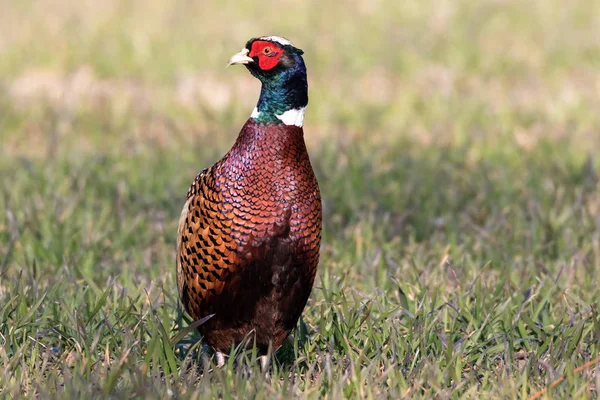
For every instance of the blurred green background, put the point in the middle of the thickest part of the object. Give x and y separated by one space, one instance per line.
455 143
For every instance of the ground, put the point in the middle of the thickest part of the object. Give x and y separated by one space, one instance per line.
455 143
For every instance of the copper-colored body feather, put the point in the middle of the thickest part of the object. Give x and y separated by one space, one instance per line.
249 238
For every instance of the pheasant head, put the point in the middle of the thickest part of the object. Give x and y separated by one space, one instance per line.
278 64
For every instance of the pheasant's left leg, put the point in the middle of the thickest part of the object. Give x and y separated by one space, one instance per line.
220 359
264 363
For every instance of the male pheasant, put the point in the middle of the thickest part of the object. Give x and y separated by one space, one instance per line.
250 230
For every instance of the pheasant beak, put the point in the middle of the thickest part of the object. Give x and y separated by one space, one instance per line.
240 58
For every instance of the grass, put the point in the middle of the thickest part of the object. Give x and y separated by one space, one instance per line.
455 143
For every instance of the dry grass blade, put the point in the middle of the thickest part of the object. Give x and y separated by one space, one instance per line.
559 380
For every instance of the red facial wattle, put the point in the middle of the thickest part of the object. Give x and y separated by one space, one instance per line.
268 54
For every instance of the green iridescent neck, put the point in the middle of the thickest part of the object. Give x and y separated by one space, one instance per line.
281 93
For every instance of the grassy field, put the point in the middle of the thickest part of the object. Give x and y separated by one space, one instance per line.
456 147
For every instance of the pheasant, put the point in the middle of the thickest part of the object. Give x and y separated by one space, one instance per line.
250 230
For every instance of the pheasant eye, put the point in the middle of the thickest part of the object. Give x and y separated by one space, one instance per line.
267 50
